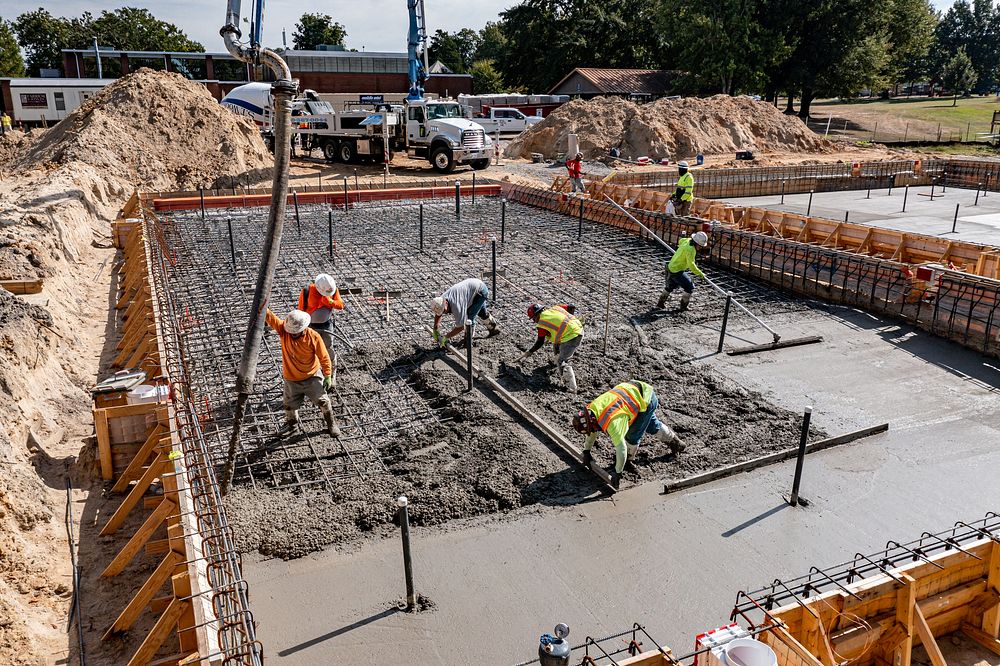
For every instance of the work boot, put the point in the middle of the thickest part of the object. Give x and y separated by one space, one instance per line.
291 420
570 377
662 303
685 300
491 327
331 424
588 457
670 438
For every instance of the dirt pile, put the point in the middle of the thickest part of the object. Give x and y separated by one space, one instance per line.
676 128
157 129
13 144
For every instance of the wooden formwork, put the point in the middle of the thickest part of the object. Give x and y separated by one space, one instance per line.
881 619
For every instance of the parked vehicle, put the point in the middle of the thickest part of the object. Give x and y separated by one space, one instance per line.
505 121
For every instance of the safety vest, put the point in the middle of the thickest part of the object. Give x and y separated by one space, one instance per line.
559 325
687 182
625 398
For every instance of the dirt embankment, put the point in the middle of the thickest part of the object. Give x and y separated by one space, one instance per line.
677 129
57 198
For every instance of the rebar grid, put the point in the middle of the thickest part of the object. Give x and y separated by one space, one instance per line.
386 283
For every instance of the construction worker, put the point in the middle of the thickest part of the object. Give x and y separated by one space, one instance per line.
557 324
679 265
575 168
684 194
625 413
319 300
465 301
305 367
5 125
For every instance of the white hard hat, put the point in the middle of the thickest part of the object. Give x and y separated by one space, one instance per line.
325 284
296 322
682 165
700 237
437 305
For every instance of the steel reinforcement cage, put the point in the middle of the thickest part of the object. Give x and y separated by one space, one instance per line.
233 621
961 307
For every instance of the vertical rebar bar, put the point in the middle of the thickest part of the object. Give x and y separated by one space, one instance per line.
579 226
944 182
232 244
355 178
298 220
329 232
345 194
458 200
319 176
869 195
810 206
906 192
783 182
847 215
800 460
954 222
725 320
421 227
473 188
986 189
978 188
933 183
468 349
404 530
201 192
494 292
503 220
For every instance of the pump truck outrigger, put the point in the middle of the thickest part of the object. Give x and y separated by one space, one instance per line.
436 130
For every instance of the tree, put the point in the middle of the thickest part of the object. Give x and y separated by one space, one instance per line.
958 74
11 62
43 37
456 50
485 78
910 32
973 27
493 43
314 29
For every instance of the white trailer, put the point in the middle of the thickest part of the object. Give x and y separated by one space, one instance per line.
44 100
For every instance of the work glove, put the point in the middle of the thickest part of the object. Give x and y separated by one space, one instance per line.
328 382
571 308
439 338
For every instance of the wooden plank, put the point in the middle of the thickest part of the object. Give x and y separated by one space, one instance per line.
927 638
991 618
139 539
817 641
134 495
104 443
132 410
134 469
159 604
978 635
178 659
770 459
145 594
22 286
157 546
785 637
163 627
906 603
780 344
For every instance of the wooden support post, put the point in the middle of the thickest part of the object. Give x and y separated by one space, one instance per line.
131 549
906 604
134 495
991 618
134 469
979 636
104 444
154 639
927 638
145 594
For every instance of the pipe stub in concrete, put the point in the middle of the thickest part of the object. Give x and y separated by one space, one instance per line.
401 501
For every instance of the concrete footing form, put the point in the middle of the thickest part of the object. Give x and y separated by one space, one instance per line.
510 534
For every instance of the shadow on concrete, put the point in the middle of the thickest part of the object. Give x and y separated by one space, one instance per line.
753 521
337 632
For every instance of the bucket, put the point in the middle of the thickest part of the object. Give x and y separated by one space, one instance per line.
749 652
699 159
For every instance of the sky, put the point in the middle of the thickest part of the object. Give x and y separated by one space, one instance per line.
374 25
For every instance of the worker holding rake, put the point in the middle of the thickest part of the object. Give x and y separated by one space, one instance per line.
678 267
465 301
557 324
625 413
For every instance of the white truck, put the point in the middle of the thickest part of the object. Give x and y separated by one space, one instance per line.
505 121
432 129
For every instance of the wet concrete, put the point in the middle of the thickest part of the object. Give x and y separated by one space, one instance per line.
672 563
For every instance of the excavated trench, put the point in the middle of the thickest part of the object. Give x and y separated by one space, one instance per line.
453 453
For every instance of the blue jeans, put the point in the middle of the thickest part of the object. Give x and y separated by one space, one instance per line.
680 279
478 305
645 423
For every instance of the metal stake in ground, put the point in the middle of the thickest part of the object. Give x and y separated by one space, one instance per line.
298 221
783 181
329 232
201 193
503 220
473 188
810 206
954 222
421 227
468 350
579 227
232 245
458 201
906 191
404 530
493 242
847 215
725 320
345 194
978 188
794 498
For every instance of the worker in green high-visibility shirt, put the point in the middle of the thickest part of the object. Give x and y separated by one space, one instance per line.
678 267
684 194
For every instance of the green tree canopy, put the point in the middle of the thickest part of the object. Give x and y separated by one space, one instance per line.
314 29
486 78
958 74
456 50
11 62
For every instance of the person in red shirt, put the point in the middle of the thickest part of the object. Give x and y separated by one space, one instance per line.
319 300
575 169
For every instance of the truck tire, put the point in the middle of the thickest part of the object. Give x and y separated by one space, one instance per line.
330 151
442 159
479 165
345 152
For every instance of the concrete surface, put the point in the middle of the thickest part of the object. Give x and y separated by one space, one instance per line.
977 223
673 563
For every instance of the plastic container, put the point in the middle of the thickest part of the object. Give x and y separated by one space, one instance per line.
749 652
147 393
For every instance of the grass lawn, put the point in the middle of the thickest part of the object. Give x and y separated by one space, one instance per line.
916 118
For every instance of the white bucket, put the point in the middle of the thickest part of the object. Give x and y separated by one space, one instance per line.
147 393
749 652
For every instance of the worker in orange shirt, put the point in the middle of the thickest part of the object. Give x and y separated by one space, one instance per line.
319 300
305 367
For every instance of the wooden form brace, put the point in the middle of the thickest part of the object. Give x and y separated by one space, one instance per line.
889 617
137 347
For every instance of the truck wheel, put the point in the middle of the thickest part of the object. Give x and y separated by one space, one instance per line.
330 151
345 151
479 165
443 160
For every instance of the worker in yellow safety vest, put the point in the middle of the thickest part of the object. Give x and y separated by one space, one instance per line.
684 194
559 325
625 413
678 267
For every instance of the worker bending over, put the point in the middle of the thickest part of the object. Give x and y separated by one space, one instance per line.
465 301
625 413
319 300
575 168
558 325
684 194
678 267
305 367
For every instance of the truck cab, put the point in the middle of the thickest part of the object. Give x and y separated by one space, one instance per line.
439 131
